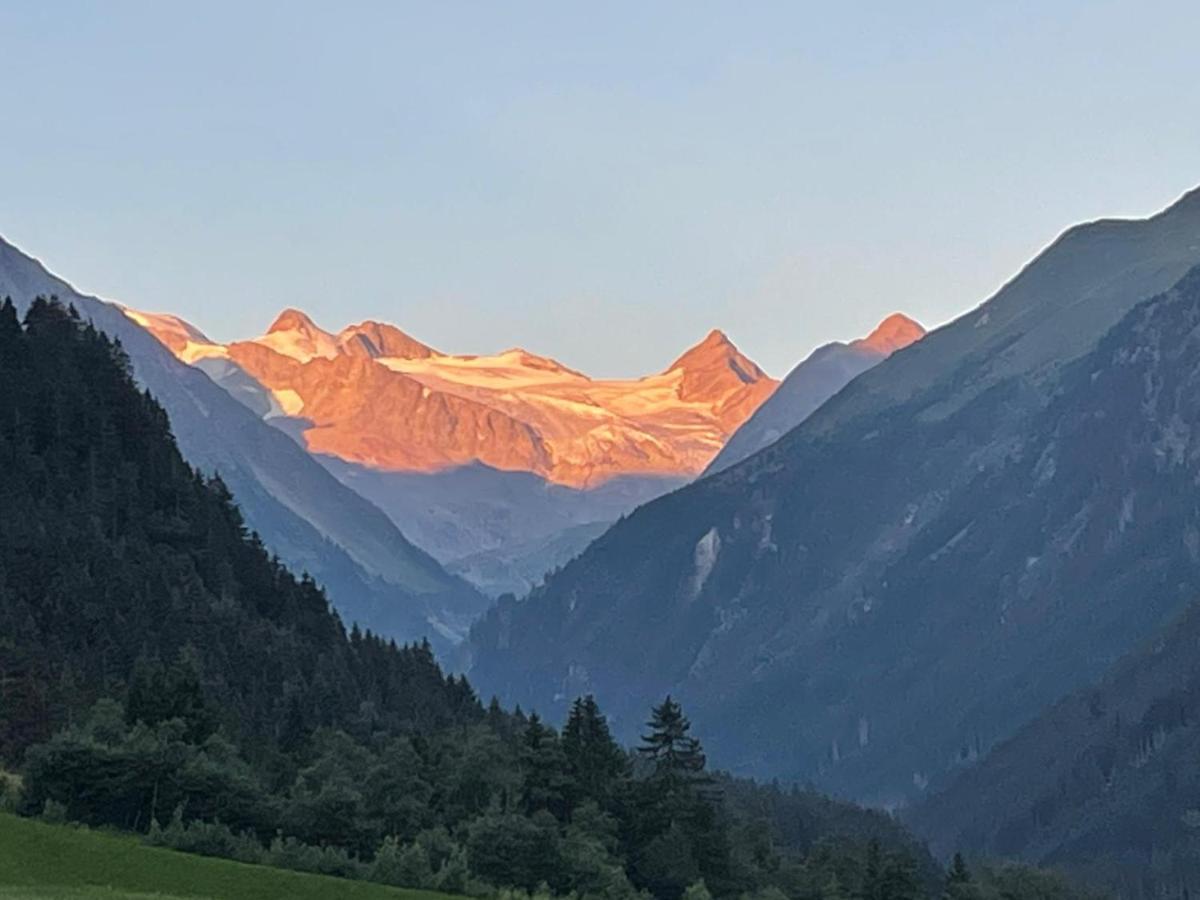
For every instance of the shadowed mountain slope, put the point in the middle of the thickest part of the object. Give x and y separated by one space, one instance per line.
1107 780
822 374
905 578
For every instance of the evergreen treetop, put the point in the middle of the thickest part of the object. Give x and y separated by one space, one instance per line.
675 754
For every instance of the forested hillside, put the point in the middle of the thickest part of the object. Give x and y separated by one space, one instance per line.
160 673
370 571
116 558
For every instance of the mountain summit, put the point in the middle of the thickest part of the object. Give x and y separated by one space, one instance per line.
377 339
717 350
894 333
825 372
715 371
295 335
292 319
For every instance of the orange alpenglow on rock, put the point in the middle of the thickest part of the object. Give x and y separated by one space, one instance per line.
814 380
894 333
373 395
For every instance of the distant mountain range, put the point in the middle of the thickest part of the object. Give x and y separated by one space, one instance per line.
373 574
374 396
932 557
504 467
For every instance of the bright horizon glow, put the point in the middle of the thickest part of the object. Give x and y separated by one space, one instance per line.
602 187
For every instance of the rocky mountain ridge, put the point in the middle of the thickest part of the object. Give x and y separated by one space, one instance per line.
374 396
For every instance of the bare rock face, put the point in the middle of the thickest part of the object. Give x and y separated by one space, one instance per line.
375 396
894 333
715 372
363 412
376 339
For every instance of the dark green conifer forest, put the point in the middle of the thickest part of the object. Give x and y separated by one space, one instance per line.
162 673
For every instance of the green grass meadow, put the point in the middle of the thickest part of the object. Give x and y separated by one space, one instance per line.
51 862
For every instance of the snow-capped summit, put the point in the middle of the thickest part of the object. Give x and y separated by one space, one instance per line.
375 396
718 350
295 335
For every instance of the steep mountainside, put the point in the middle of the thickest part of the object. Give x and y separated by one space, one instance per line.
500 466
373 574
909 575
821 375
1108 780
1104 784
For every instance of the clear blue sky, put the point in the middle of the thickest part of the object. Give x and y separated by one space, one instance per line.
599 182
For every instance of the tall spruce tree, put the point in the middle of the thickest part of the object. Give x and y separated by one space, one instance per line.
545 783
675 755
596 763
958 881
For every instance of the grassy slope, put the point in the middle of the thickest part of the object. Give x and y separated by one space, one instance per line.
51 862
